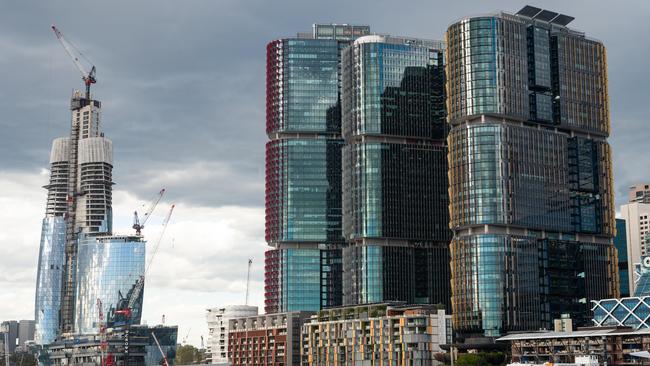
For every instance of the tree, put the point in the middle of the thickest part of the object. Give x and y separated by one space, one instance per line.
471 359
20 358
187 355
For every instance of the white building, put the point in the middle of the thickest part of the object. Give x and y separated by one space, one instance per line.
217 347
637 225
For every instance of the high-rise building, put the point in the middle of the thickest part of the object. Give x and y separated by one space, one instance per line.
303 169
620 242
530 177
637 236
9 329
218 318
80 261
26 330
639 193
395 205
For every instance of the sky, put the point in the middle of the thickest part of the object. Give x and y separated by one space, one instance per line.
182 86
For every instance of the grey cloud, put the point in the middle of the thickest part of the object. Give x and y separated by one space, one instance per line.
183 82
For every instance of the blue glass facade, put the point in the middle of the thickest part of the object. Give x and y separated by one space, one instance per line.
108 269
620 242
303 169
627 311
530 178
51 261
395 212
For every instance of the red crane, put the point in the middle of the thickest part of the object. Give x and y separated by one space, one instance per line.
139 225
137 290
75 55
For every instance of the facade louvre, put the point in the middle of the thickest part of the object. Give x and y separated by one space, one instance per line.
303 169
394 172
530 178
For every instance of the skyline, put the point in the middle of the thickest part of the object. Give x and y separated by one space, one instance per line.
239 201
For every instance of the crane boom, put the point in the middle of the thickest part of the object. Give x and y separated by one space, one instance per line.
139 225
138 287
72 51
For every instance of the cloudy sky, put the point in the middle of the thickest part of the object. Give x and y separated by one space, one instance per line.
182 86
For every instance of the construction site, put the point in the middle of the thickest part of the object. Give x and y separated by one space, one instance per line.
91 281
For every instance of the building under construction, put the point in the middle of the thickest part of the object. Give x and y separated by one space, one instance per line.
90 282
137 345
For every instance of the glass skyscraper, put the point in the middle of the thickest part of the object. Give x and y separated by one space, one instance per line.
303 169
109 268
395 205
531 196
620 242
80 261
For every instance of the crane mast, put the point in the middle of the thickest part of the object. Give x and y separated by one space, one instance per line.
248 279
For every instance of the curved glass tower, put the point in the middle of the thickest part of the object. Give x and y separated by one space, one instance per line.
530 178
109 269
394 172
303 169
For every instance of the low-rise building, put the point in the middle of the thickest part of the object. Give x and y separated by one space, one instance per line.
217 347
134 345
269 340
610 345
375 334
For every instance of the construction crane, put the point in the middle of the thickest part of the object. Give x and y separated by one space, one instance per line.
74 53
186 335
103 345
139 225
248 278
127 310
160 348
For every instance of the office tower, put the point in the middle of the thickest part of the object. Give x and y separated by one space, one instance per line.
9 334
639 193
26 329
80 261
303 169
109 269
395 205
637 230
620 242
530 178
218 318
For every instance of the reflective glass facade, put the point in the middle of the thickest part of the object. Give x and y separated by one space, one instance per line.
530 178
303 181
395 201
620 242
627 311
51 260
108 269
302 278
303 169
